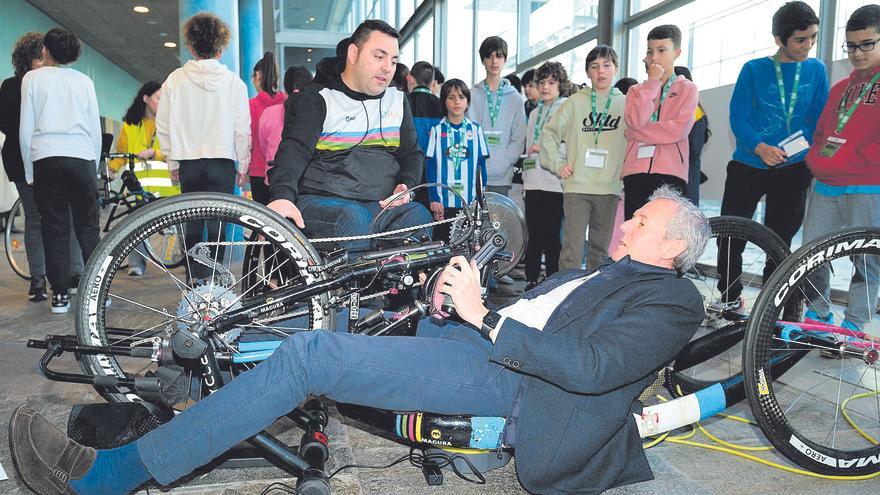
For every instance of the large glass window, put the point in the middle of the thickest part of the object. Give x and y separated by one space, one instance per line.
496 18
424 43
718 37
459 40
407 8
319 15
573 61
845 8
408 52
636 6
552 22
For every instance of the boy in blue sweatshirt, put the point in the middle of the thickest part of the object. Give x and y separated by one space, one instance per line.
773 112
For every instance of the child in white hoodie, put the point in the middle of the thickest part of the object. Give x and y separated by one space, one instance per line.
203 122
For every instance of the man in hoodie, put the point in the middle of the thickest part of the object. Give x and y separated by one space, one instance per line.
349 145
774 108
659 115
498 108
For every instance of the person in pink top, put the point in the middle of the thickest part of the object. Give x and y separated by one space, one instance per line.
265 79
659 115
272 120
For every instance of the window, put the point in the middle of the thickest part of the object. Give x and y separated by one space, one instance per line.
636 6
460 41
424 43
406 9
573 61
496 18
845 8
552 22
408 52
718 37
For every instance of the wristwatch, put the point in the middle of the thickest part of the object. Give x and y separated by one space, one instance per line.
490 322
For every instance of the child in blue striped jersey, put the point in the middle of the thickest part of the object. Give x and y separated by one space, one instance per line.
456 151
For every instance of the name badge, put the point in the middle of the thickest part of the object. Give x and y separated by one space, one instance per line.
596 158
458 187
646 151
493 138
832 144
794 144
530 163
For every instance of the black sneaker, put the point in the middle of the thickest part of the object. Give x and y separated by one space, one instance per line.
37 291
60 302
74 283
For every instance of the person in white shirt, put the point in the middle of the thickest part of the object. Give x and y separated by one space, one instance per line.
204 124
60 139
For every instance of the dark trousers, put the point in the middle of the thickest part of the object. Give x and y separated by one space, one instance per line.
259 190
544 221
64 189
205 175
786 195
638 188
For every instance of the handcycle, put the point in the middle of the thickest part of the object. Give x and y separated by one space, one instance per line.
117 203
135 361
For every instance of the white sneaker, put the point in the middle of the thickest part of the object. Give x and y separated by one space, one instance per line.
60 302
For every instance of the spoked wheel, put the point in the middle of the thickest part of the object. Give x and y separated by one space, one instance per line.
715 353
166 247
824 412
14 241
145 314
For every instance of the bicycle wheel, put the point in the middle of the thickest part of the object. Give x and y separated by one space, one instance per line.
824 413
13 241
144 314
715 353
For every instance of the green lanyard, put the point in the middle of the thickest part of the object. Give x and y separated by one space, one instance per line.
422 89
656 115
539 122
604 113
458 146
794 89
494 106
843 114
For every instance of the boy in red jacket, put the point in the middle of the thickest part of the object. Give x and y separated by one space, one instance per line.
845 159
659 115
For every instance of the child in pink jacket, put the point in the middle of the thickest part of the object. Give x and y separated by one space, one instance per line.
659 115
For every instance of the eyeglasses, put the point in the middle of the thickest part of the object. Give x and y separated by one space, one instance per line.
865 46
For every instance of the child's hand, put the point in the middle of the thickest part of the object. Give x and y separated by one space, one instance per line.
436 210
534 149
566 171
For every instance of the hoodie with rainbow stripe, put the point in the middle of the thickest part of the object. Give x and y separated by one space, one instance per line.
338 142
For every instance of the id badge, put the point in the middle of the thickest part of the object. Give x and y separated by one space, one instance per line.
530 163
646 151
458 187
596 158
832 144
493 138
794 144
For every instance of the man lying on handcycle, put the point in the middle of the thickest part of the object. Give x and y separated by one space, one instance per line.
564 364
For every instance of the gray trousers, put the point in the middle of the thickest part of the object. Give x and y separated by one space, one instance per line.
33 237
828 213
581 210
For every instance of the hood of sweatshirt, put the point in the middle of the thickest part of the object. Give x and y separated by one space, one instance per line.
328 73
268 100
207 73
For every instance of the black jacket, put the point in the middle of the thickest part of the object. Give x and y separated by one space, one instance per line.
338 142
10 110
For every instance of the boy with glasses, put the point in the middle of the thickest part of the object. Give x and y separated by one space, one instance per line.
773 112
845 159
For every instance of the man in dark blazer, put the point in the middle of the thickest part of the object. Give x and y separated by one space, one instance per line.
564 364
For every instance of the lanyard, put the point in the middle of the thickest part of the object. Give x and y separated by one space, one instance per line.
794 89
539 122
600 117
843 114
494 106
422 89
458 145
656 115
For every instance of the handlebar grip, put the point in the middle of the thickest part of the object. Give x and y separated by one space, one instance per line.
489 249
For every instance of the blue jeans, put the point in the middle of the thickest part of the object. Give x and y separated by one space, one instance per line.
327 216
444 369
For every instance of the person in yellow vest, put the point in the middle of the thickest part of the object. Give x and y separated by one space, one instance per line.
138 136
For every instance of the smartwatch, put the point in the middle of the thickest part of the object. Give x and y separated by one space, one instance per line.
490 322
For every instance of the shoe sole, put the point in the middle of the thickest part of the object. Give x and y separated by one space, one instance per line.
60 310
